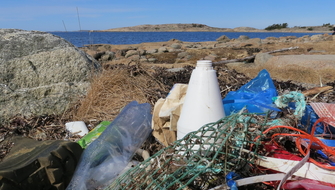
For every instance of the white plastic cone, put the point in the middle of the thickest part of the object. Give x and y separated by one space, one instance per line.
203 101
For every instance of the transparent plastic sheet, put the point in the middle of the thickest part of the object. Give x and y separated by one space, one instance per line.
256 96
106 157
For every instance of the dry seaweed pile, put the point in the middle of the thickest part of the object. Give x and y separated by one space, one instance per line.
116 87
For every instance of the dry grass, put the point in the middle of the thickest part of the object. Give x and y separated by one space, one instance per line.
197 54
111 91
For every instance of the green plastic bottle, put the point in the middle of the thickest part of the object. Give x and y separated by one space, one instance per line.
94 134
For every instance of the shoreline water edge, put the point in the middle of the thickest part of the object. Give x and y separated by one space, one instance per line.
83 38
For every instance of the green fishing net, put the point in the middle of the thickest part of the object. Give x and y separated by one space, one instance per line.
202 159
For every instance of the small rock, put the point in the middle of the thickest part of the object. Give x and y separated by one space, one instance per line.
135 57
223 38
175 40
188 57
151 51
262 58
272 38
141 51
174 50
131 53
197 46
175 46
254 41
152 60
243 38
143 59
162 50
188 46
109 55
182 55
98 55
174 70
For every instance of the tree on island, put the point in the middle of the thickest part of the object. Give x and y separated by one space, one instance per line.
276 26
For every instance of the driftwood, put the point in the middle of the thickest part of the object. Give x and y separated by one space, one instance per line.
250 57
317 90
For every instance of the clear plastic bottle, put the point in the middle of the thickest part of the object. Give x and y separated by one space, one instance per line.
107 156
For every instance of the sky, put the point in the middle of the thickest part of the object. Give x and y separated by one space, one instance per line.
73 15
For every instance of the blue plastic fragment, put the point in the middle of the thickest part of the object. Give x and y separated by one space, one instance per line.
324 156
230 177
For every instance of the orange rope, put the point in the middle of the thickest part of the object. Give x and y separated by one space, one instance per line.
303 136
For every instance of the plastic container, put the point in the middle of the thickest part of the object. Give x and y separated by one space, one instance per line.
203 101
77 127
107 156
94 134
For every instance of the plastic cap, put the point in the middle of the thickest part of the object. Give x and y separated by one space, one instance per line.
204 63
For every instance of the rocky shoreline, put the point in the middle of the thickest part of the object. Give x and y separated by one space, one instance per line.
45 78
204 28
175 53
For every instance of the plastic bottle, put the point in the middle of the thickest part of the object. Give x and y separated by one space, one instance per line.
203 101
107 156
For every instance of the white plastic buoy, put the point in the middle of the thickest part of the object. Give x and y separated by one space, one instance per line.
77 127
203 101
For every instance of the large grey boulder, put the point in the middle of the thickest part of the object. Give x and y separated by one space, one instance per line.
316 62
41 73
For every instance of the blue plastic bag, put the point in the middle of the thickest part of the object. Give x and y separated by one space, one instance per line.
256 96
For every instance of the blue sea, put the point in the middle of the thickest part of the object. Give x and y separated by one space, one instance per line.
81 39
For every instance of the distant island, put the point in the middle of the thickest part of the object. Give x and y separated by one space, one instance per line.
204 28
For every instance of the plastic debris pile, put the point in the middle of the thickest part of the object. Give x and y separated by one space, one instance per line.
241 149
267 141
199 161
